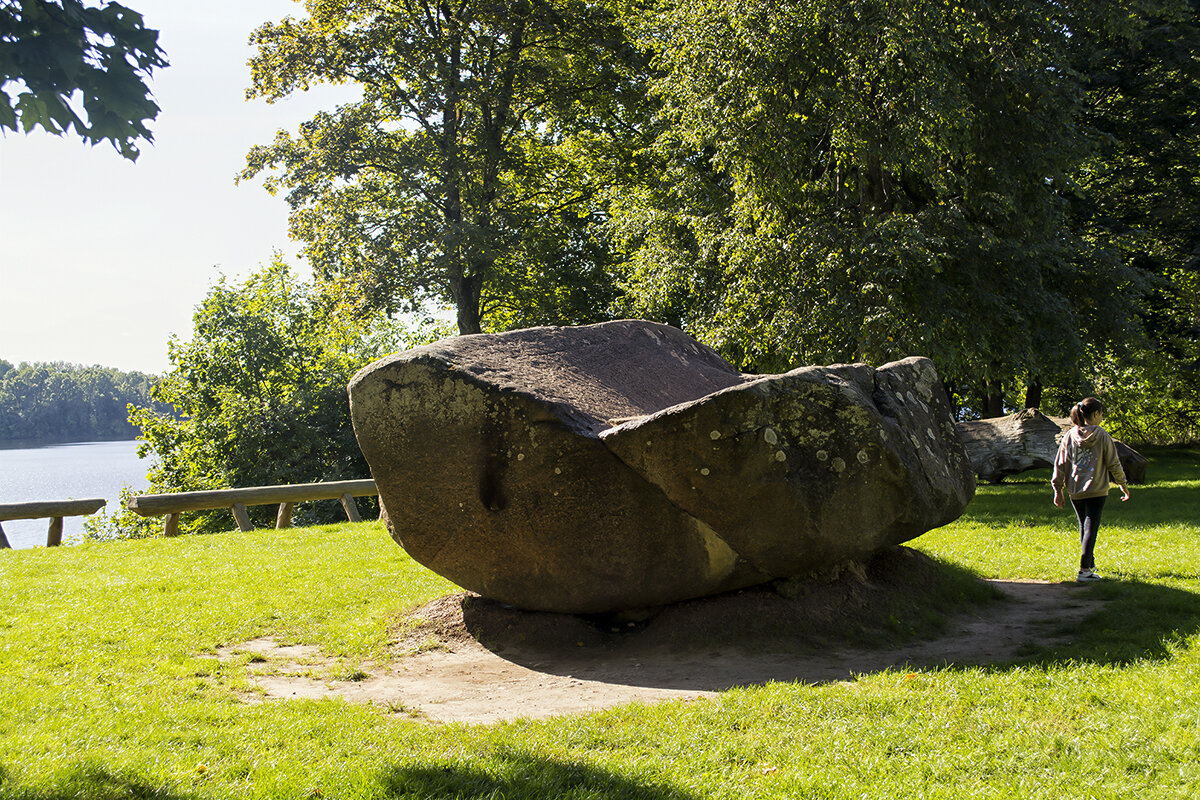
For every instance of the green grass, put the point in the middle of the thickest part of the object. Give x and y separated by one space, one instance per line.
110 685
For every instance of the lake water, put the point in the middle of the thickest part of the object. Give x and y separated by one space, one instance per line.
66 472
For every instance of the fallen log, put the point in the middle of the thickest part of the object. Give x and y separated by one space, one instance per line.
1027 440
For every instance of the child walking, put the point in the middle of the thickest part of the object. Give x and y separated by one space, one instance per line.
1086 458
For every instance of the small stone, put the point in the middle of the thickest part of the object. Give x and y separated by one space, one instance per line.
770 437
822 455
704 471
558 470
780 455
863 457
520 456
838 465
715 435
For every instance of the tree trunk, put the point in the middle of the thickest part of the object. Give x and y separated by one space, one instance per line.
993 399
465 291
1033 393
951 398
466 302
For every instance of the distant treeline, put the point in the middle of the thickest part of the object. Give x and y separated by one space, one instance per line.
69 402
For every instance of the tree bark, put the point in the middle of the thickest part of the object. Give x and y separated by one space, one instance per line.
458 279
1033 393
465 291
993 399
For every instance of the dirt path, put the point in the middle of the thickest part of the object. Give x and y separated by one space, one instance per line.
460 680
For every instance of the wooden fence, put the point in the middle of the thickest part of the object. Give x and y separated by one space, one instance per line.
54 509
236 500
172 505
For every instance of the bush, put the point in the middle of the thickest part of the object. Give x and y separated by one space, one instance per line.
259 393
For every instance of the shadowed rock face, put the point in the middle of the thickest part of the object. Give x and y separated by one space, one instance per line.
625 465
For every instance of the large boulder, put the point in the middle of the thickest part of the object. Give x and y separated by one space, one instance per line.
625 465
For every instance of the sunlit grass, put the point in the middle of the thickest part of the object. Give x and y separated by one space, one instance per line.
110 685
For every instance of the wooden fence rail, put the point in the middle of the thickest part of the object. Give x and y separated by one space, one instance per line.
54 509
236 500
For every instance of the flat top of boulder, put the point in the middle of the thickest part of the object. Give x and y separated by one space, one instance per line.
609 373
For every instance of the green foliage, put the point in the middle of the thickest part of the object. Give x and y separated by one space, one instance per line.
1140 196
1152 398
259 392
1010 190
1141 74
69 402
869 180
457 177
68 64
119 522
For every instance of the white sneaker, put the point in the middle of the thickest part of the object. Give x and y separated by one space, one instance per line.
1087 575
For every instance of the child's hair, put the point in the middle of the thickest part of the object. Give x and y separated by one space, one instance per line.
1084 409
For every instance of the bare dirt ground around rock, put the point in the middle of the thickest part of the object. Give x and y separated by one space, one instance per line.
465 659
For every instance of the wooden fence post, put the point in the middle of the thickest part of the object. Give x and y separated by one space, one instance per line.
351 508
284 518
54 534
171 528
243 519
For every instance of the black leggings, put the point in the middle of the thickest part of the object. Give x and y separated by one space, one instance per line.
1088 510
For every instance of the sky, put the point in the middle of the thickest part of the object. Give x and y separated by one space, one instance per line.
102 259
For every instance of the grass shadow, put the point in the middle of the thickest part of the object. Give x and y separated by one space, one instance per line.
784 631
94 783
905 611
517 774
894 596
1138 622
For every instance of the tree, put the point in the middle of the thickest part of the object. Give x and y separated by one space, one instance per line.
1140 69
68 402
53 50
458 175
258 395
867 180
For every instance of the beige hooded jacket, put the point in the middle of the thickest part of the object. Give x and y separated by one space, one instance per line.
1086 457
